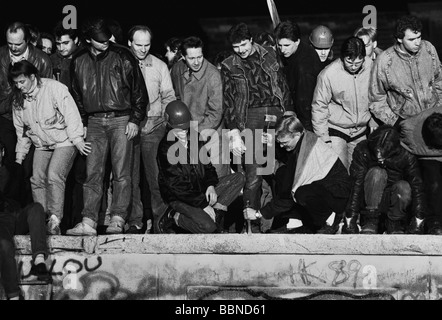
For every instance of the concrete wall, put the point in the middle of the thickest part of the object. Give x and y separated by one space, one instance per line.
239 266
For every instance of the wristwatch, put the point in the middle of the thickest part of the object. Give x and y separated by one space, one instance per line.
258 214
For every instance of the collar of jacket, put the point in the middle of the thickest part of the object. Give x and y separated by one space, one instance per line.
146 62
198 75
100 56
367 61
405 55
261 53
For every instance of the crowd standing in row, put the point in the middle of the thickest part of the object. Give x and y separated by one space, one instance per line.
357 139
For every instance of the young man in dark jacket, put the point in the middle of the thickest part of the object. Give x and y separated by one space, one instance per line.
301 66
112 98
188 182
312 184
387 183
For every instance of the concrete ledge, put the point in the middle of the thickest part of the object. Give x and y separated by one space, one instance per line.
409 245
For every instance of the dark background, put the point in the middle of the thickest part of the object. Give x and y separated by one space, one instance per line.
169 18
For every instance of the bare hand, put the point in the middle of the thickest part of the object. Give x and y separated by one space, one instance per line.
131 130
84 148
209 210
211 195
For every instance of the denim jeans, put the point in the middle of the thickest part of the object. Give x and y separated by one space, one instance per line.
149 148
30 219
196 220
252 188
105 133
345 149
393 200
48 181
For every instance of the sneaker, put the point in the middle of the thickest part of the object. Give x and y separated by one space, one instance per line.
166 221
133 230
395 226
350 227
53 226
115 226
41 272
82 229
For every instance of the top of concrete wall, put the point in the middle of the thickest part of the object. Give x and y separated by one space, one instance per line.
419 245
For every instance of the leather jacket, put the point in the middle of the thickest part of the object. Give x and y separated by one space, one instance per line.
185 182
37 57
236 91
108 82
400 165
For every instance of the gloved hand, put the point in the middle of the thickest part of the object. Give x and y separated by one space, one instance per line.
236 145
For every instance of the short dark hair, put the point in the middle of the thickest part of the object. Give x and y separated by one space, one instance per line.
288 30
60 31
138 27
265 39
15 26
190 42
432 131
173 43
352 47
407 22
46 35
238 33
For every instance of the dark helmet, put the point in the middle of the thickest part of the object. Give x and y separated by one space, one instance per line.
178 115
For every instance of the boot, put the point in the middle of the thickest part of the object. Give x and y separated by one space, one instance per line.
434 227
219 220
370 221
395 226
165 222
351 226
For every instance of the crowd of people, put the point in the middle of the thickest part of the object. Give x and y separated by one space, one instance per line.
91 127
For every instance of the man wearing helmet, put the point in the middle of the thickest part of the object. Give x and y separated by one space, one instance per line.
188 182
322 40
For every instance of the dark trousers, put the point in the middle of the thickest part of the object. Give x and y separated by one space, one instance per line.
20 187
393 200
73 204
318 203
30 219
196 220
432 177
